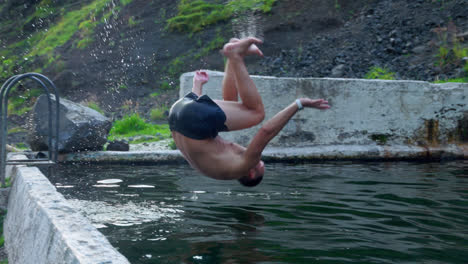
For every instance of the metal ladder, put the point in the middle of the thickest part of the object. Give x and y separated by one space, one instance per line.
53 152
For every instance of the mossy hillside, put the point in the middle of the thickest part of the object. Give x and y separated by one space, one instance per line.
194 15
77 25
37 52
82 21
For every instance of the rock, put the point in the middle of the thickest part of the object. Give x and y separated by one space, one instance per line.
81 128
338 71
12 149
118 145
460 73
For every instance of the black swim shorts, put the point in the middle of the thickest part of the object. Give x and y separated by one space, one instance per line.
197 117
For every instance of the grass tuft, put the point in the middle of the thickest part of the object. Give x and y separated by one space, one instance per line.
376 72
134 125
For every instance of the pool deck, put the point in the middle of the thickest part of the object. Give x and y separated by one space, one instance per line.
295 154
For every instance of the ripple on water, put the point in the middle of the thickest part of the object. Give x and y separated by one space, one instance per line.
102 213
110 181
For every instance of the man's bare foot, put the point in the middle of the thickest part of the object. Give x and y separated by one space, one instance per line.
252 50
242 47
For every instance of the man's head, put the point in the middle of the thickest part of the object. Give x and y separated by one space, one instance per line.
255 175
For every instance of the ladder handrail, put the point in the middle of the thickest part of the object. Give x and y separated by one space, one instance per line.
5 89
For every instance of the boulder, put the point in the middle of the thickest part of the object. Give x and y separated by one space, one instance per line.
81 128
118 145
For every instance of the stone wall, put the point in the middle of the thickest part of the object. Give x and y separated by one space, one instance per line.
41 227
363 112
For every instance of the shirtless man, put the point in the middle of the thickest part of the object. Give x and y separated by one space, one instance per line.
195 120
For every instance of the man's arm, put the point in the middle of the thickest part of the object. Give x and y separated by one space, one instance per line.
272 127
199 79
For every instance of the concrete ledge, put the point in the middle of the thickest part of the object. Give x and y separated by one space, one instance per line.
41 227
273 154
363 112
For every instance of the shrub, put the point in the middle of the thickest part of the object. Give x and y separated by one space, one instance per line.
379 73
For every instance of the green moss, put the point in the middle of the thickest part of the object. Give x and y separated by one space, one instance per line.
132 22
16 130
95 107
456 80
379 73
125 2
21 102
172 145
216 43
84 42
176 66
21 146
380 138
7 184
164 85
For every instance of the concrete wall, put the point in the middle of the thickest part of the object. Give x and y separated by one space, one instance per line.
363 112
41 227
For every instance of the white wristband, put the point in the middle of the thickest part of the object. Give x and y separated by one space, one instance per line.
299 105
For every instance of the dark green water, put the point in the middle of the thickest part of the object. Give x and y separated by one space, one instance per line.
311 213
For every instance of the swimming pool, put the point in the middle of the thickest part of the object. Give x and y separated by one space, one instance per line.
342 212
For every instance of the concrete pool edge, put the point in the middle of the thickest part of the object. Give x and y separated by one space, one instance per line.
42 227
291 154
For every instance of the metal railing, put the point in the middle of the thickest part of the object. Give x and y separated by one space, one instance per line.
53 151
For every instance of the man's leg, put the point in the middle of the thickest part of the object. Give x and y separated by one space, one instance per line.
229 84
250 112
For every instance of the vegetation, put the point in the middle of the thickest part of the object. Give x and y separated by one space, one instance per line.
216 43
194 15
7 184
16 130
381 139
172 144
2 218
2 237
132 22
82 21
95 107
134 125
450 52
158 113
456 80
376 72
21 104
125 2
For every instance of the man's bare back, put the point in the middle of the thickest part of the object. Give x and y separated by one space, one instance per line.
199 141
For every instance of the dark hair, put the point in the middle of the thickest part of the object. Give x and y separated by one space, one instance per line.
246 181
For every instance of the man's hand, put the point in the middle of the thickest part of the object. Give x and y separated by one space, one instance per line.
200 78
315 103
